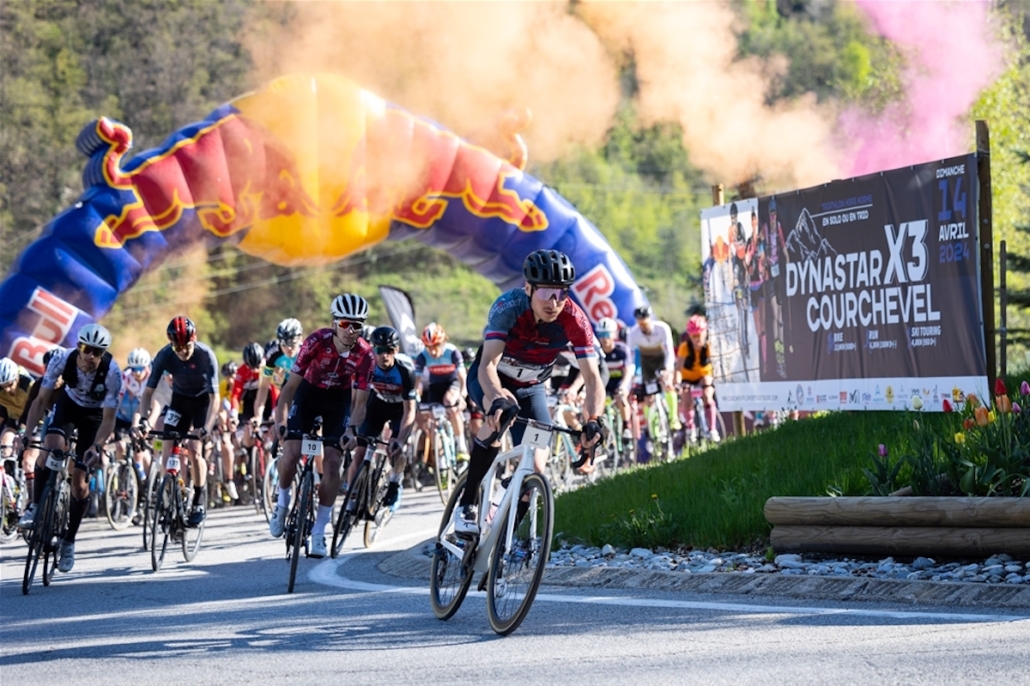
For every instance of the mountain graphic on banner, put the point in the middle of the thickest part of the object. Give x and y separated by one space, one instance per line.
805 242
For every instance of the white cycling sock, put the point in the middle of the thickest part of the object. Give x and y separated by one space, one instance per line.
463 447
322 519
284 497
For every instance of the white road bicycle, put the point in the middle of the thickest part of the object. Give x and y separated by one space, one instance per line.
514 541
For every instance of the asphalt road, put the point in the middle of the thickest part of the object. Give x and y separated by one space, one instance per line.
226 619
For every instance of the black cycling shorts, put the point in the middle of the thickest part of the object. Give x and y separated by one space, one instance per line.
379 413
331 404
436 391
70 416
185 412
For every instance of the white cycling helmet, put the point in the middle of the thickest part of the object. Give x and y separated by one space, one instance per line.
96 336
607 325
289 329
8 371
350 306
139 357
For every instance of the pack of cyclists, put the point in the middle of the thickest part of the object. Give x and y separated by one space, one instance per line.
351 379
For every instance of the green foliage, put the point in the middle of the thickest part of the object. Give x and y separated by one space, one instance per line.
828 48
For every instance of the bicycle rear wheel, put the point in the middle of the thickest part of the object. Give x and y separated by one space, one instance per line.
379 515
149 496
515 572
349 514
38 537
121 495
10 510
58 528
270 488
450 575
298 534
191 536
443 458
163 520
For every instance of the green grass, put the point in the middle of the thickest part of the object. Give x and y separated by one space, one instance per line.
715 499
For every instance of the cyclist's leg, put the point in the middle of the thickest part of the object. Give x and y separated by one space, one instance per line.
482 455
452 401
711 409
87 421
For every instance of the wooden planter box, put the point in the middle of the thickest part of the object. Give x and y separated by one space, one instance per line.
901 526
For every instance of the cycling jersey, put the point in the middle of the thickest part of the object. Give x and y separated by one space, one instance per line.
87 391
12 405
194 377
277 365
695 366
245 382
131 393
442 369
656 344
324 367
618 365
393 385
530 348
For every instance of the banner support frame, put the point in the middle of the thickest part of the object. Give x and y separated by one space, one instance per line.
985 230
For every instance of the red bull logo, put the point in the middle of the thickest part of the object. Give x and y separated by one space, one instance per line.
419 169
594 290
230 173
55 319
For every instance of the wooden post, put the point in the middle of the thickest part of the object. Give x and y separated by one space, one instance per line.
1003 302
986 233
718 198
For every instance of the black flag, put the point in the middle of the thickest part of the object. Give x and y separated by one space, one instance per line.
402 315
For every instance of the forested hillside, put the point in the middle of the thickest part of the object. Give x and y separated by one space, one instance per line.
157 65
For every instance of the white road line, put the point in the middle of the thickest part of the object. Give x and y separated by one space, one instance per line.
327 573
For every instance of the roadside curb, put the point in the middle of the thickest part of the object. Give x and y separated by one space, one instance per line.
414 563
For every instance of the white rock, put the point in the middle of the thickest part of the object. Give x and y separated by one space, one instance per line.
641 553
607 550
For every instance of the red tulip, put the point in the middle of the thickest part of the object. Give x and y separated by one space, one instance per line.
947 405
999 387
968 423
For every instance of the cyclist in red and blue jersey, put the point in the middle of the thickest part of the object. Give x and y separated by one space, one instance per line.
279 357
444 366
392 401
330 379
526 329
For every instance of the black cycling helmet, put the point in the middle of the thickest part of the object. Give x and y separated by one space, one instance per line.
643 312
229 369
386 337
49 355
548 268
253 355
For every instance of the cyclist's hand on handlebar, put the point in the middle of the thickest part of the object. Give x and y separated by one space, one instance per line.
503 401
395 446
594 432
348 440
94 456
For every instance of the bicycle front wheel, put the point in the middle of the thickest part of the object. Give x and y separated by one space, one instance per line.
191 536
121 495
38 537
163 521
450 575
301 525
270 488
58 528
9 512
516 570
379 515
444 461
353 508
149 496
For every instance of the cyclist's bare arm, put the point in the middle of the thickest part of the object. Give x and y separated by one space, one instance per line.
262 395
286 399
212 412
491 383
37 410
358 404
407 420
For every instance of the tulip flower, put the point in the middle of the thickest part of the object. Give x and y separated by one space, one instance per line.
968 423
1003 403
960 438
972 401
917 402
1016 409
981 416
946 404
999 387
1024 388
991 416
882 450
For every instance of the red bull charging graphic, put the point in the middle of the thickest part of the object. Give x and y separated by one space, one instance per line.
305 171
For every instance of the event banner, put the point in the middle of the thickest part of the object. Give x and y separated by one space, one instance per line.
860 294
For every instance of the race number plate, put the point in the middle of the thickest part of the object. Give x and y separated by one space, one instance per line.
172 465
55 462
439 411
651 387
172 418
774 270
537 437
310 447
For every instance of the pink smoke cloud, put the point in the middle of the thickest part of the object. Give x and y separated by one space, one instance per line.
952 57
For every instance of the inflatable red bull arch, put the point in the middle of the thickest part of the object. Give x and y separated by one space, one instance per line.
305 171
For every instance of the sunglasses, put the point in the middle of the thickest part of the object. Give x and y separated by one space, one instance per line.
90 350
137 370
291 343
182 348
353 326
545 294
380 350
604 334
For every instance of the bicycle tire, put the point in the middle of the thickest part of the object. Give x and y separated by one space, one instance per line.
300 516
378 515
121 495
9 514
58 528
38 536
524 564
346 519
270 488
150 493
161 526
450 576
443 473
559 465
191 536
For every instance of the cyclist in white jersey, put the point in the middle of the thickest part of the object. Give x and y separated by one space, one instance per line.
653 340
